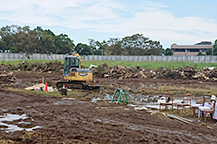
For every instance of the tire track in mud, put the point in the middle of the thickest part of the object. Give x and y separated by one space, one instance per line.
182 136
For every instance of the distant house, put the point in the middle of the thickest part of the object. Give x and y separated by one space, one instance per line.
189 50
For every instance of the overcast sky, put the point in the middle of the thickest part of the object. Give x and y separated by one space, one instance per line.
183 22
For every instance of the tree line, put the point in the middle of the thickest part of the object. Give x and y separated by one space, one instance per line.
18 39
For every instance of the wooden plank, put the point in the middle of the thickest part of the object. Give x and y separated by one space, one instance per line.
34 86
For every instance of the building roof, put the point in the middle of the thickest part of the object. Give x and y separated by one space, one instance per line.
175 46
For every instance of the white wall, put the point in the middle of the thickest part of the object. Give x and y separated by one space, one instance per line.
196 59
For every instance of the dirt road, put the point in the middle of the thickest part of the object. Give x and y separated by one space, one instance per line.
68 120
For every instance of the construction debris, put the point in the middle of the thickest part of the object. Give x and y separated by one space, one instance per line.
41 87
187 121
55 66
120 72
36 87
7 78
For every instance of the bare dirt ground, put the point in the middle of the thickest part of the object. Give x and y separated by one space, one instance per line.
75 121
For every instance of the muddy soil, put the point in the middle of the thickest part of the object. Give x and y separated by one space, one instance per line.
59 120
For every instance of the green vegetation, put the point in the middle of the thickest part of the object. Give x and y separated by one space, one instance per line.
76 93
144 64
16 62
17 39
153 65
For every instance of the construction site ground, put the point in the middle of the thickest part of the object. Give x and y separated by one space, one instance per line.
70 119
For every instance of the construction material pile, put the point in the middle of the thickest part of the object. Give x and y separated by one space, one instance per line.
121 72
6 78
55 66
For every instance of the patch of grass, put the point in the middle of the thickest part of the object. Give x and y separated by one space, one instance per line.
36 92
16 62
76 93
153 65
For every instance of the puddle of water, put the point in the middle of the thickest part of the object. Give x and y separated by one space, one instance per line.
96 99
98 120
153 106
107 97
22 122
31 129
13 127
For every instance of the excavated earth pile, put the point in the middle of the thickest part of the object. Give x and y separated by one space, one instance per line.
6 78
55 66
120 72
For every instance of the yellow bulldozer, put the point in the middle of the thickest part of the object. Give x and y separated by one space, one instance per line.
75 76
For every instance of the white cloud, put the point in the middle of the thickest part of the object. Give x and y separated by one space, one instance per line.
154 20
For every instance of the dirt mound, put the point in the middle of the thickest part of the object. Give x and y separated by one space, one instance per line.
181 73
55 66
5 67
121 72
6 78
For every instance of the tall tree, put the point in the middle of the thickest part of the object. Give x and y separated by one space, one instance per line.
46 41
113 46
215 48
116 49
83 49
132 45
204 43
6 38
167 52
64 44
96 47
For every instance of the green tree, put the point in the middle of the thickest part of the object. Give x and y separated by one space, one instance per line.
83 49
17 39
215 48
116 49
6 38
45 41
97 48
209 52
25 40
113 46
64 44
204 43
168 52
200 54
132 45
141 45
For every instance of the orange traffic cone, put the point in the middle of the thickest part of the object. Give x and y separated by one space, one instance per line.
46 90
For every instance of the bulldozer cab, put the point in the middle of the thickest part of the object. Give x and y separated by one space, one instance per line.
71 62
